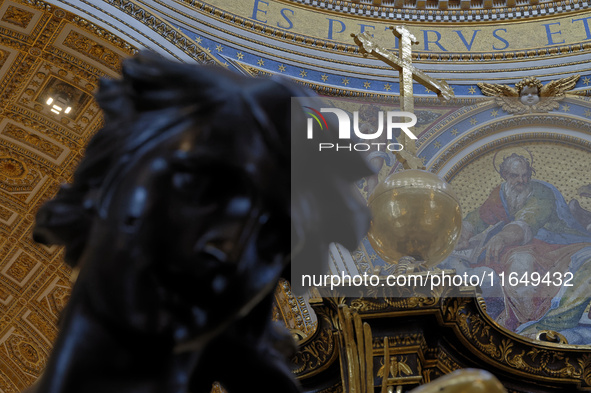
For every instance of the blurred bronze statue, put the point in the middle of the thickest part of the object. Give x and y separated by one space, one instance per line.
181 218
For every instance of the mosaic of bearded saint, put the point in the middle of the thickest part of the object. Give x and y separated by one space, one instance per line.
526 226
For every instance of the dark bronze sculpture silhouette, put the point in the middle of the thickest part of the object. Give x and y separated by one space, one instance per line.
181 218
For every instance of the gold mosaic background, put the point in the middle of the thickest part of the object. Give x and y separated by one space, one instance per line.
566 167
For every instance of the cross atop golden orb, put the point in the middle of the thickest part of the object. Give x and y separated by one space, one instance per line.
414 213
408 72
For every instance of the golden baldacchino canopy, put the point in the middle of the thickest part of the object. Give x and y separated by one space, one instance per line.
414 213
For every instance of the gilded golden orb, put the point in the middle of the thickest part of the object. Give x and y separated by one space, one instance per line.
414 213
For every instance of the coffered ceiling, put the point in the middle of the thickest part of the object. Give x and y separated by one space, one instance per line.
43 51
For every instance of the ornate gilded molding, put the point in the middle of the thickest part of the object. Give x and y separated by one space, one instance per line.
293 311
81 22
318 351
93 49
515 353
415 341
332 45
16 16
33 140
444 10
